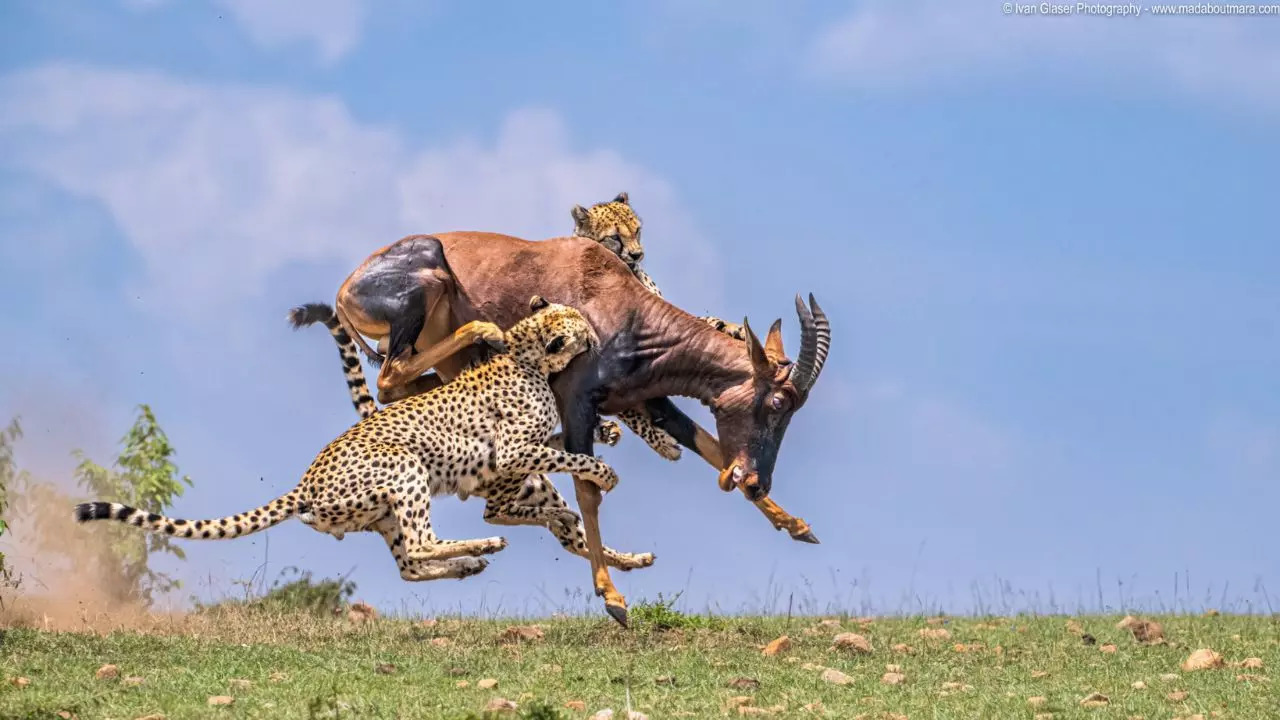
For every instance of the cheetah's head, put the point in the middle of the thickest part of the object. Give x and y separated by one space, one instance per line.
551 337
614 225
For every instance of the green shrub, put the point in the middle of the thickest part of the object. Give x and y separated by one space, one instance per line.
661 614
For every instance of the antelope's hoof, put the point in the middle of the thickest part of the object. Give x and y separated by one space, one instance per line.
807 537
617 612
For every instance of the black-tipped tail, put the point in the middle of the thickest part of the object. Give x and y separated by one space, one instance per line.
312 313
101 511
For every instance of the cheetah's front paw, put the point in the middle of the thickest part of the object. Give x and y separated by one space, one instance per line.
608 432
607 480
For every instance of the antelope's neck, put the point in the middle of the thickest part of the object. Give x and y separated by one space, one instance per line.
679 355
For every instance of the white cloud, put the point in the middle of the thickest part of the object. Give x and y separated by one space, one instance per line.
333 27
216 187
890 44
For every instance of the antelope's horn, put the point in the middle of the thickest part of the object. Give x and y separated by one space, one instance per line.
815 342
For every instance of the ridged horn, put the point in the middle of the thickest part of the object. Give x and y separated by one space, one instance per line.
815 342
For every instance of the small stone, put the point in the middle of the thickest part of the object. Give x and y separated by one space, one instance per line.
665 680
132 681
1169 677
576 705
1202 659
1139 685
738 701
744 683
953 686
457 671
835 677
1037 674
893 678
107 672
1093 700
239 684
277 677
901 648
462 684
217 700
1177 695
500 705
20 682
851 642
1037 700
385 669
487 684
811 667
522 633
935 633
1252 663
779 645
1108 649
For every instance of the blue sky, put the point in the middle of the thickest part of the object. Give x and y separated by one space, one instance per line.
1047 246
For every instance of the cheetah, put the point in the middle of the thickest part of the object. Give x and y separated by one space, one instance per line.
487 433
615 225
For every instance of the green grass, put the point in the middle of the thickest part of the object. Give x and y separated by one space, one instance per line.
331 668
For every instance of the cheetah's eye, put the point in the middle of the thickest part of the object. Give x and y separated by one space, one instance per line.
556 345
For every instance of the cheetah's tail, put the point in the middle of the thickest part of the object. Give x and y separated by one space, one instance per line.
233 526
312 313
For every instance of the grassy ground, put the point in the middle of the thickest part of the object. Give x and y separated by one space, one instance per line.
303 666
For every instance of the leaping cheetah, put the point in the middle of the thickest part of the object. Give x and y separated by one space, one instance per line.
488 434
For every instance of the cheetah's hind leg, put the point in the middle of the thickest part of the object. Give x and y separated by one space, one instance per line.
535 501
424 570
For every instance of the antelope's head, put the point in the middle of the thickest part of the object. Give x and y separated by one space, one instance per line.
752 417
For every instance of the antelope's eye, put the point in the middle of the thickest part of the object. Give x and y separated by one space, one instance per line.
556 345
778 402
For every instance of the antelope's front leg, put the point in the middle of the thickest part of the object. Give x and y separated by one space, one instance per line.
667 416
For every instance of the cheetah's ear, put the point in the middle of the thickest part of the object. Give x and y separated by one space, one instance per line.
580 217
537 302
622 198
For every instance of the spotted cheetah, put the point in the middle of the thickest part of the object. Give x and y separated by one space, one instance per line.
616 226
487 434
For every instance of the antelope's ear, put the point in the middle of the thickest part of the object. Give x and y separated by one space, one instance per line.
580 216
759 361
773 343
622 198
537 302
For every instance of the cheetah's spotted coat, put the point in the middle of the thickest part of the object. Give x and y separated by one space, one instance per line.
488 434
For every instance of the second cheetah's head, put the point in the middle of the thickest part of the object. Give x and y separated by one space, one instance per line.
614 225
551 337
